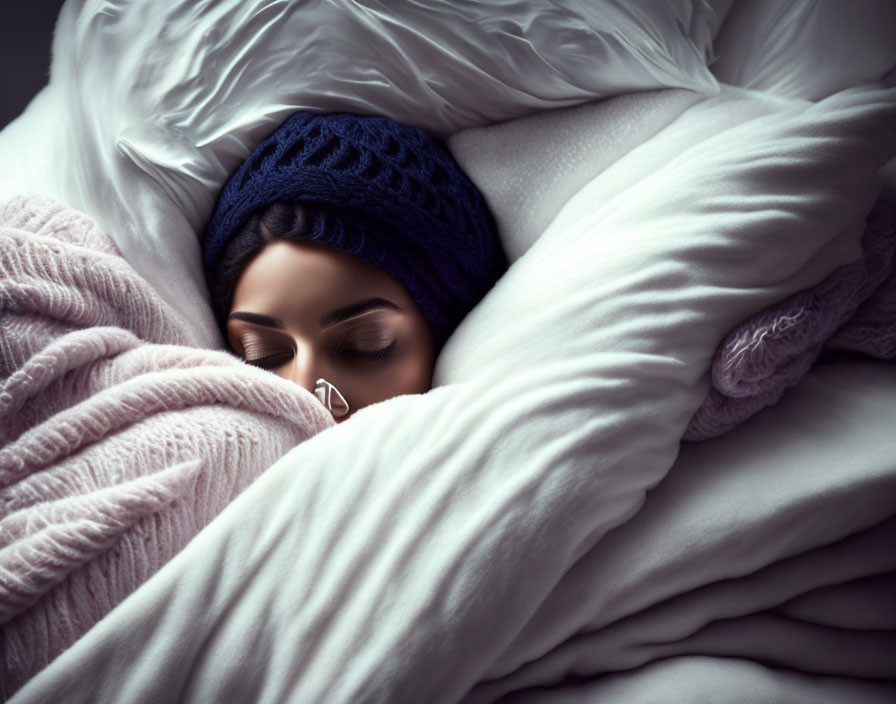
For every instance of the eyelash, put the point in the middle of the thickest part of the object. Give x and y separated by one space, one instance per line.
254 354
372 356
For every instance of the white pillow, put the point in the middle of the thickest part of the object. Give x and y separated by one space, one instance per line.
727 165
529 167
805 48
153 104
410 545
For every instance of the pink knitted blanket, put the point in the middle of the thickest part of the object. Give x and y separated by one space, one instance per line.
853 310
118 441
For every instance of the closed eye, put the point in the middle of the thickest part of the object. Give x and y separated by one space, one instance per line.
269 361
260 354
369 339
370 355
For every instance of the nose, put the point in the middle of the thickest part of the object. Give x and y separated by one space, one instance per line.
306 372
304 369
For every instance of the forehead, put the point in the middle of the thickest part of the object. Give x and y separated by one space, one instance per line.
290 278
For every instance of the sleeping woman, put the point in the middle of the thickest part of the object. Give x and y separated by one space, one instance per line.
343 253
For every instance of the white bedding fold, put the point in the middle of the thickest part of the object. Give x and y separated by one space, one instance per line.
515 528
743 529
152 105
410 547
701 678
680 578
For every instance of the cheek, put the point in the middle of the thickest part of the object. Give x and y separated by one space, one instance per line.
413 374
418 364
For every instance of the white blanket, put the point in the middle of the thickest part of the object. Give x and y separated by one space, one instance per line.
449 546
160 102
402 599
518 525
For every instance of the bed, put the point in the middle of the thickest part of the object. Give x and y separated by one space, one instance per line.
580 510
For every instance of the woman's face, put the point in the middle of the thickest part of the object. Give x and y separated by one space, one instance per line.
307 311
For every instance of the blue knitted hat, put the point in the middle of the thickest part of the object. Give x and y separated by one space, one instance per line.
389 194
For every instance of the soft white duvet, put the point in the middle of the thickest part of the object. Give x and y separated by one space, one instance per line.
754 572
532 522
452 546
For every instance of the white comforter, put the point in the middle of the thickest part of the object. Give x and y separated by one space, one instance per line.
437 543
519 526
754 565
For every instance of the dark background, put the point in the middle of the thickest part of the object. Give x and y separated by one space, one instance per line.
26 31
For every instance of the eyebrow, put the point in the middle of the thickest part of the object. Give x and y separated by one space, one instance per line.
329 320
353 309
257 319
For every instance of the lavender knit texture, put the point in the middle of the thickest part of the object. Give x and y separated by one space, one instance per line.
854 309
119 440
389 194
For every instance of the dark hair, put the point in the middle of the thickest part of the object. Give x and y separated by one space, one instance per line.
277 221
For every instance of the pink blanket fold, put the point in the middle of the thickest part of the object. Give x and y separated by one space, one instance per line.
854 310
118 441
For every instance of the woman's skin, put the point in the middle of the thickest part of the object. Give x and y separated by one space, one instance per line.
369 356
